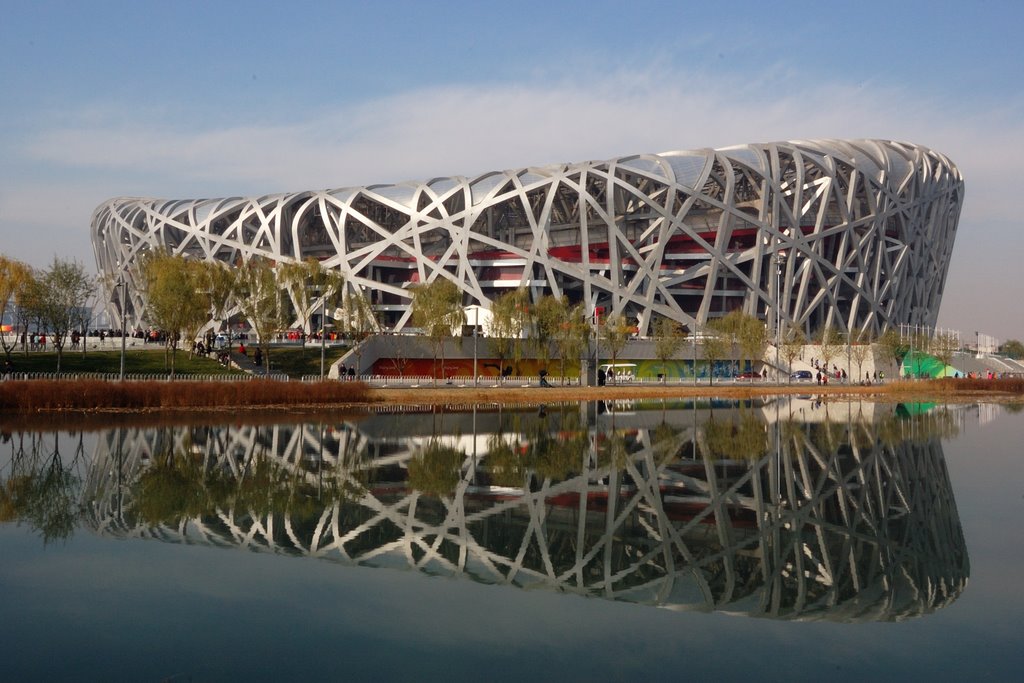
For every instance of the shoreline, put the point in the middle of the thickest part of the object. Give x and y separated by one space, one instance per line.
166 402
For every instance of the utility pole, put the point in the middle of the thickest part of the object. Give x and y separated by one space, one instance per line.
323 334
123 284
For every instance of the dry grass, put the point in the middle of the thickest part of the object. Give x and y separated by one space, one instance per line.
37 396
898 391
71 401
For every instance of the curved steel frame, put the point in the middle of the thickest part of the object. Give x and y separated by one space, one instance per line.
866 228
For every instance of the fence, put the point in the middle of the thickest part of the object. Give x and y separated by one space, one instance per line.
138 377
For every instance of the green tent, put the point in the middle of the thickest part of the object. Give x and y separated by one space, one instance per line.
919 364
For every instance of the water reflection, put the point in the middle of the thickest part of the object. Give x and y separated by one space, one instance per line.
783 510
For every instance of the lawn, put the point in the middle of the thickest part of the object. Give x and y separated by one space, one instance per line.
297 362
151 360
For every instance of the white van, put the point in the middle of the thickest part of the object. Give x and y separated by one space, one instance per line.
623 372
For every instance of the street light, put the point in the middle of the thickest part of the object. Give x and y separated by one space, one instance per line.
476 323
122 282
693 339
779 258
323 334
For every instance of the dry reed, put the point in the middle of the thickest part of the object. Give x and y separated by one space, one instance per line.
35 396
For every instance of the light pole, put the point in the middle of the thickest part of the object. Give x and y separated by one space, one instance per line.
476 323
693 337
779 256
323 334
849 342
122 282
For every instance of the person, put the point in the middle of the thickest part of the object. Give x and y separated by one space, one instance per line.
258 357
352 373
8 367
241 348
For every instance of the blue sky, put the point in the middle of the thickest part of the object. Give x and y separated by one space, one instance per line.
198 99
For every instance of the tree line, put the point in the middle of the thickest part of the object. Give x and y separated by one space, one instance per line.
183 296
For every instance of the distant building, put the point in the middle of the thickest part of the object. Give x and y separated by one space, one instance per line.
857 234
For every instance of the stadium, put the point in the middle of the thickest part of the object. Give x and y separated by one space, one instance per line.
854 234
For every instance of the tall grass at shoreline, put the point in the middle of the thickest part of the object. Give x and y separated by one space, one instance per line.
20 397
35 396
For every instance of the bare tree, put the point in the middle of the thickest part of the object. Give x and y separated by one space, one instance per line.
175 300
509 317
943 346
358 321
753 338
617 331
309 286
892 347
258 298
64 289
15 277
218 284
715 346
829 343
571 336
547 317
437 309
860 352
792 346
668 339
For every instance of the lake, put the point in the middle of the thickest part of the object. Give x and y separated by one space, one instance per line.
783 539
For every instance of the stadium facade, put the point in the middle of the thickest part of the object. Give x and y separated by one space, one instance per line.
854 234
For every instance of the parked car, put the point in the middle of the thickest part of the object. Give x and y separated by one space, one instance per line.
802 376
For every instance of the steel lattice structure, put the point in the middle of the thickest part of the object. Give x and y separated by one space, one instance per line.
855 234
832 520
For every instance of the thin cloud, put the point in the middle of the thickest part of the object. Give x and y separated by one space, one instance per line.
473 128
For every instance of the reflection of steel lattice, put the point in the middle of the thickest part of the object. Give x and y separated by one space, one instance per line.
847 532
867 227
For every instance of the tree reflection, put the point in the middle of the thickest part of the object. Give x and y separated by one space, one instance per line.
437 470
42 490
741 436
772 510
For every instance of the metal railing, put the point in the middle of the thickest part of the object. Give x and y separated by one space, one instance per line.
136 377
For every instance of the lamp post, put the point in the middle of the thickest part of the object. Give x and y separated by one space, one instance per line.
693 339
323 334
122 282
779 256
476 323
849 343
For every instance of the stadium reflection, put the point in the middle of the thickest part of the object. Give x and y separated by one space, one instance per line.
786 510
